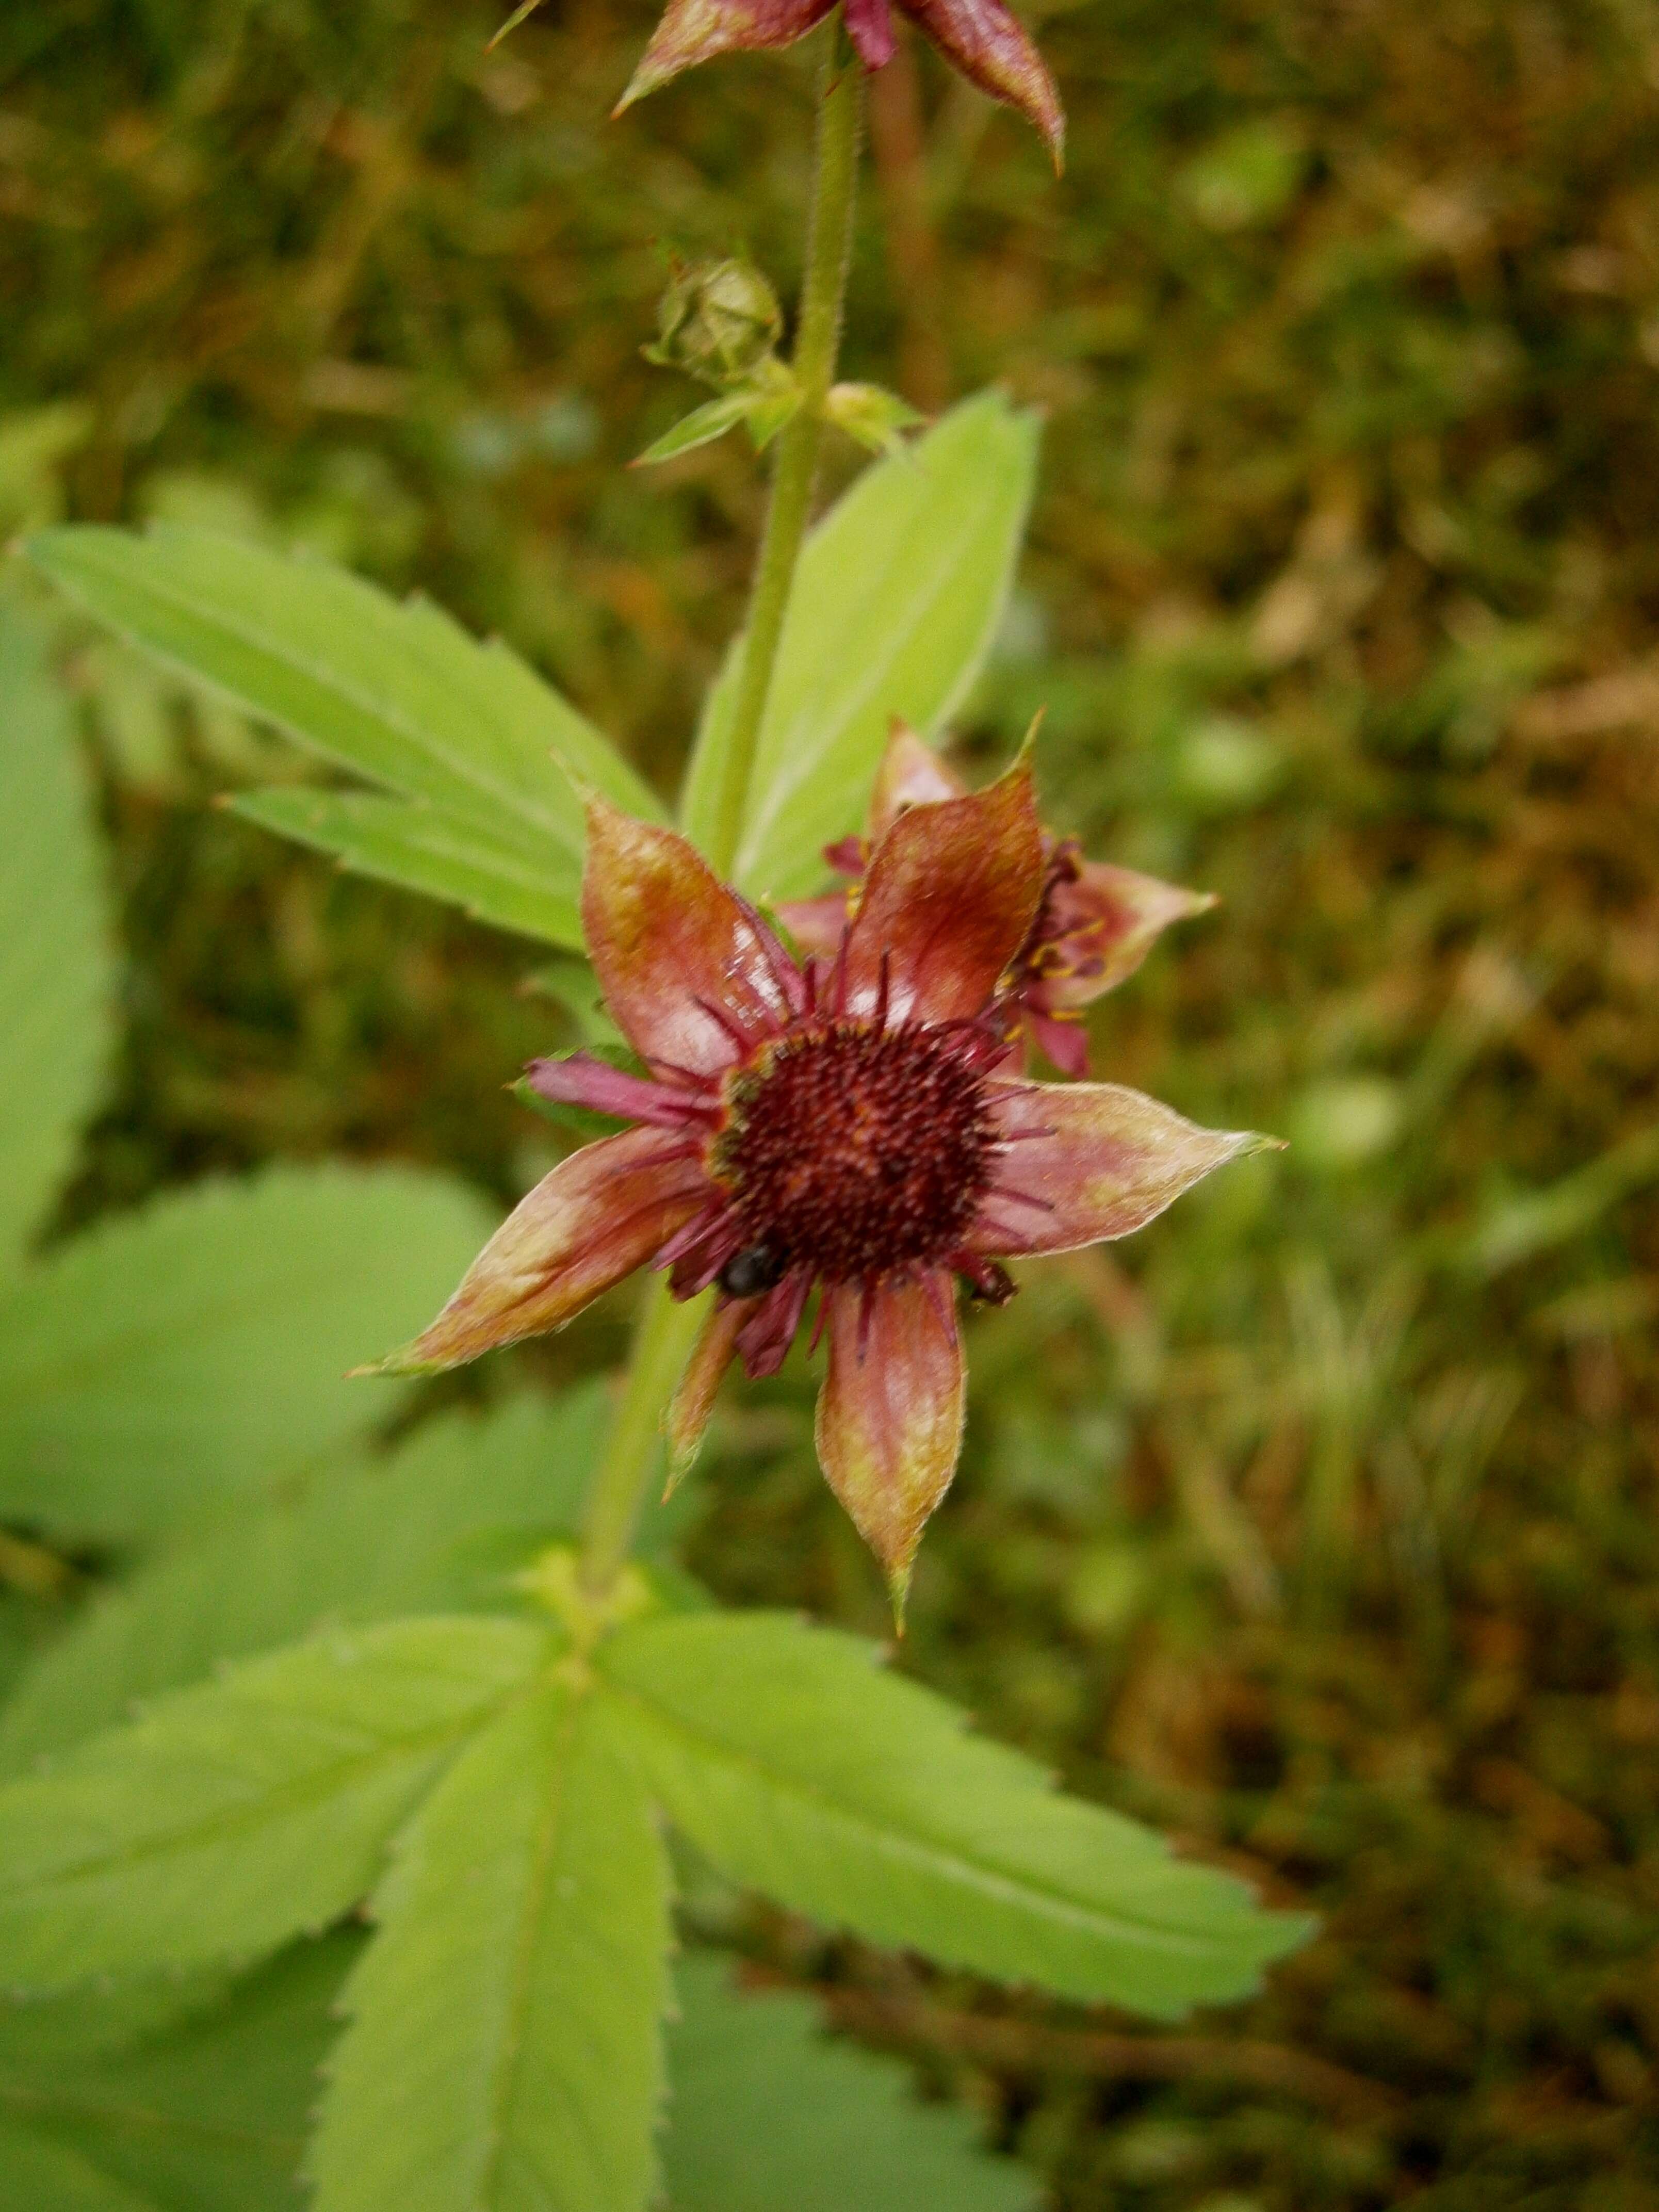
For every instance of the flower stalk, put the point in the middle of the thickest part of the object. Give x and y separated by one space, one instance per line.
664 1333
817 340
664 1329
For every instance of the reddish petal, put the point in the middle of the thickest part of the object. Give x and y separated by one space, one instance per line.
989 47
889 1413
693 31
601 1214
579 1080
947 903
694 1397
1087 1161
869 27
816 924
1065 1043
911 775
1104 925
690 974
768 1332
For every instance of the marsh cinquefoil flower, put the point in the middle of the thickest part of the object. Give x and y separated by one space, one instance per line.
981 38
843 1124
1094 925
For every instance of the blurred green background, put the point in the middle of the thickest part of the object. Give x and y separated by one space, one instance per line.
1318 1524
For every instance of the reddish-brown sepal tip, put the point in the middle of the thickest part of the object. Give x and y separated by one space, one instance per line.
949 896
890 1416
694 1393
992 49
599 1215
981 38
1093 1162
695 31
670 943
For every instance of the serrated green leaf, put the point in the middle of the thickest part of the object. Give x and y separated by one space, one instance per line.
800 1767
169 1363
395 692
503 2054
422 849
898 595
205 2114
206 2110
767 2112
700 427
40 2175
54 963
234 1816
439 1526
42 2034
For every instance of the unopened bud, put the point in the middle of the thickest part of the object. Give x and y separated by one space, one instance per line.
718 321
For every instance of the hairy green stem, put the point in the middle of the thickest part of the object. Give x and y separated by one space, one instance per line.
662 1339
664 1330
818 338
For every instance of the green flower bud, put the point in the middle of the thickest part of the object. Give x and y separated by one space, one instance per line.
718 321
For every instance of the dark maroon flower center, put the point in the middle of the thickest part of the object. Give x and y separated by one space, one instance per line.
856 1151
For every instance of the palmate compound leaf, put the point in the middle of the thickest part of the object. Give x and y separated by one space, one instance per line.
894 607
465 735
504 2053
440 1525
800 1769
205 2112
205 2109
239 1813
165 1364
445 1524
54 963
767 2113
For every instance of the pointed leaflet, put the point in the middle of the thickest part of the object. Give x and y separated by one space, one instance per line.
439 1526
54 967
234 1816
41 2175
768 2112
700 427
898 594
208 2114
209 2110
504 2053
165 1364
422 849
395 692
799 1767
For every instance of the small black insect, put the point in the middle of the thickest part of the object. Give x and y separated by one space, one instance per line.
994 1288
758 1267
